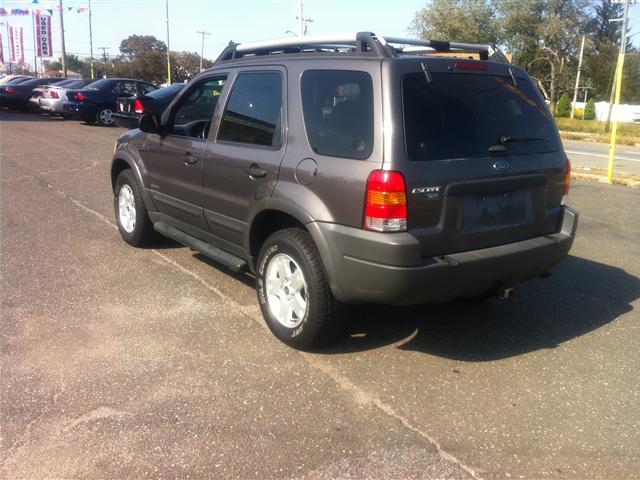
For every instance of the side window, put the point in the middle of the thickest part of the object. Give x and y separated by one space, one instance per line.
192 118
338 112
145 88
253 113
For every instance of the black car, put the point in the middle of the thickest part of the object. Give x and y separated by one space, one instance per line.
97 102
16 94
130 109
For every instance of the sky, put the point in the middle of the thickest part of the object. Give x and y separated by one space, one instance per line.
238 20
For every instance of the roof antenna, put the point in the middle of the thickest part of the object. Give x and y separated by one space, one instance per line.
425 70
513 77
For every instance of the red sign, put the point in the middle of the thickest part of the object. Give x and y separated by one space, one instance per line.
17 44
43 35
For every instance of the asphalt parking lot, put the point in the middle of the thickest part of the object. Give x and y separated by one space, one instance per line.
125 363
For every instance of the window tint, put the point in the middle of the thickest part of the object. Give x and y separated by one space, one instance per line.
338 112
102 84
254 109
145 88
463 115
193 115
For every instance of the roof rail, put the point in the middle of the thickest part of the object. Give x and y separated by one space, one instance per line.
361 42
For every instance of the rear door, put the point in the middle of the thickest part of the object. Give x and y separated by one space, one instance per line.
241 166
484 164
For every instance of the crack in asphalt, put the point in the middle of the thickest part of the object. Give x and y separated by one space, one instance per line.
358 395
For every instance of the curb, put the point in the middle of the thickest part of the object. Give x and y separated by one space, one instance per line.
600 175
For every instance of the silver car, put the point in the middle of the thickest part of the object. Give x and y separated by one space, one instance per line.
54 96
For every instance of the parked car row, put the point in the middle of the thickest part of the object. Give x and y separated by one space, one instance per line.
107 101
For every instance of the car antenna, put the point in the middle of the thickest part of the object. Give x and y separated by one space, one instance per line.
513 77
425 70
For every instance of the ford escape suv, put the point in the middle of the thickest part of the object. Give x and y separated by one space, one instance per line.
353 169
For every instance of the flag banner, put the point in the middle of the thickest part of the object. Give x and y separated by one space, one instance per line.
17 44
43 36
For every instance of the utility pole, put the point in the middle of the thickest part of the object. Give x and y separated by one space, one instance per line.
575 90
93 75
303 21
35 47
64 50
202 45
616 101
168 48
104 56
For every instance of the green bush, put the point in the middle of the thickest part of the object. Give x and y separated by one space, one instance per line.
563 107
590 110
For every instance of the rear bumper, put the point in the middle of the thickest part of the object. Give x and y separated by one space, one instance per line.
52 105
381 268
126 120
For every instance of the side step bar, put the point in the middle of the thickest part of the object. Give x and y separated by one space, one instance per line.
225 258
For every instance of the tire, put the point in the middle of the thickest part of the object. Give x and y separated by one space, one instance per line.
292 254
132 217
104 117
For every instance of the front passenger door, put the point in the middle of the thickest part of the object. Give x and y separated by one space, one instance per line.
175 160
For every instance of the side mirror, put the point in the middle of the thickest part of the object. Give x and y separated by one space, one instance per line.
149 124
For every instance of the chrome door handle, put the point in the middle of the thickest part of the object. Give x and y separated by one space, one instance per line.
189 159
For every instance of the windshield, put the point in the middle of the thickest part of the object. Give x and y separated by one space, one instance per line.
464 116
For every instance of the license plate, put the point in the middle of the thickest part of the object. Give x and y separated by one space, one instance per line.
494 210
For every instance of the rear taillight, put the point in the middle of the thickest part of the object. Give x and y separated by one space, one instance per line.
138 107
385 207
10 90
53 94
567 179
80 96
470 65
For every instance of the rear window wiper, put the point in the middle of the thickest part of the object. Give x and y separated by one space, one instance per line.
506 139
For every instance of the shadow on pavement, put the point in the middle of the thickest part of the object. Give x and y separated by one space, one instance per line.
581 296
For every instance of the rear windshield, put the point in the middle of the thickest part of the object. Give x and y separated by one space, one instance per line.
338 112
166 91
464 116
98 84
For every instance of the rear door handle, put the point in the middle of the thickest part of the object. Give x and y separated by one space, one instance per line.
189 159
255 171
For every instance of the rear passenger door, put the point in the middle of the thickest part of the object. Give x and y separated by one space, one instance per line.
241 166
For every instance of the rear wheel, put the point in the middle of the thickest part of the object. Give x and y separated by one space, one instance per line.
132 217
293 292
104 116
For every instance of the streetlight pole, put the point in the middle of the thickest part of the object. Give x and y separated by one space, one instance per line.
93 75
168 47
616 101
104 56
202 45
64 50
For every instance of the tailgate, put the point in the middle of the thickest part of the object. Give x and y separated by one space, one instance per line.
485 163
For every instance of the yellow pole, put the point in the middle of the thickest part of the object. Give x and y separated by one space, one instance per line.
614 126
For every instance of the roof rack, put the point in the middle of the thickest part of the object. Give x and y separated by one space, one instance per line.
361 42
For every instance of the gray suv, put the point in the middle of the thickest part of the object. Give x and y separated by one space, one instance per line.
354 169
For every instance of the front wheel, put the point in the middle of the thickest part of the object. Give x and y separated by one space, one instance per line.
132 217
293 293
105 116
